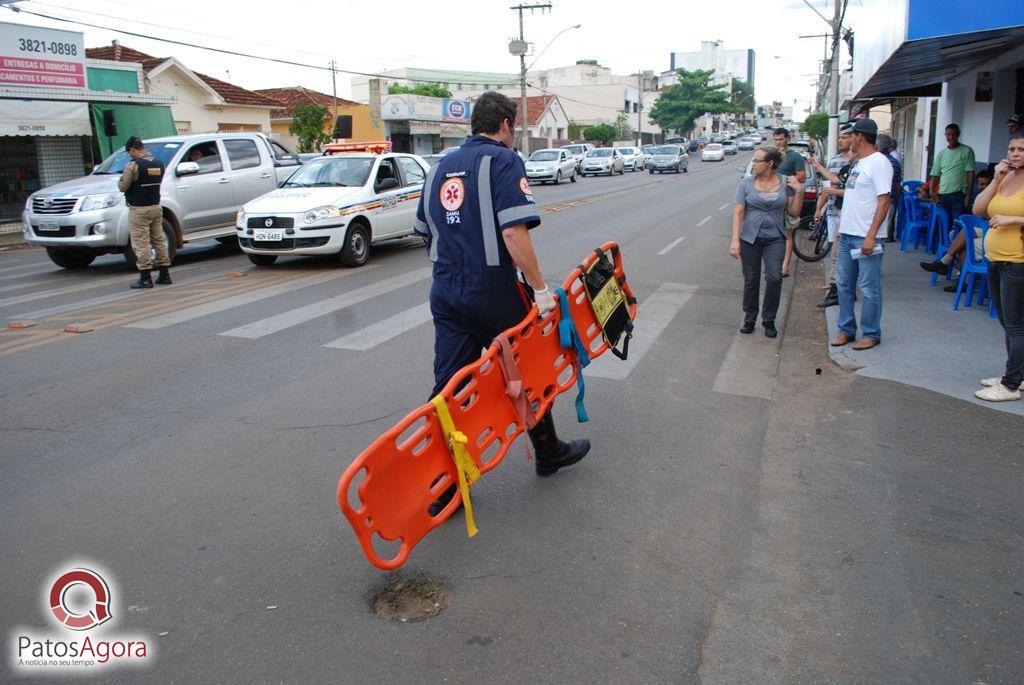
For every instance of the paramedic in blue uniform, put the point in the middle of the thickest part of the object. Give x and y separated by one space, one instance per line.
475 215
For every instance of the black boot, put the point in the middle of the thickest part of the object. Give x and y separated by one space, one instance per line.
552 453
165 276
144 280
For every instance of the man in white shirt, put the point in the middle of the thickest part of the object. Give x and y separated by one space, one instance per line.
858 267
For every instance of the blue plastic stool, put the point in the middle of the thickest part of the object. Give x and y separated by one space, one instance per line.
974 265
918 221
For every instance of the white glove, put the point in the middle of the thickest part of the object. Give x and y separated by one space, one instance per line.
545 300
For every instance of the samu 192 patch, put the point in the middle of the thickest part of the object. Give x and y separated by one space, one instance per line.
524 186
453 193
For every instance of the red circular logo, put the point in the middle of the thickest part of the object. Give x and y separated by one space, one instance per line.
69 618
524 186
453 192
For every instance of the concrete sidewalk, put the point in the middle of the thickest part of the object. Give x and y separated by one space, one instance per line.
924 342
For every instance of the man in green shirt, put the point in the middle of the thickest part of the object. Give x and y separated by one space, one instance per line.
792 165
953 175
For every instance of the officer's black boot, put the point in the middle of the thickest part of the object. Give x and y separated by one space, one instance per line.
552 453
165 276
144 280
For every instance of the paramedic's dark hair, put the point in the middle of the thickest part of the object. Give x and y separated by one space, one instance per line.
489 110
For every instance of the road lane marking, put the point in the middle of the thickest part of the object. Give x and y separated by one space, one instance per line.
382 331
703 221
654 314
11 277
668 247
279 322
200 310
84 285
752 362
27 266
726 205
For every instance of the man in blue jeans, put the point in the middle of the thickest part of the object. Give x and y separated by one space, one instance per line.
858 267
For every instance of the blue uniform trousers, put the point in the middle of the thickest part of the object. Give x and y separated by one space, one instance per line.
467 317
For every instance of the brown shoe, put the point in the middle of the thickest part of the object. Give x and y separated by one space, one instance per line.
866 344
842 339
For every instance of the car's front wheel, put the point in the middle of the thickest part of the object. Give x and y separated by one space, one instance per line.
356 249
70 258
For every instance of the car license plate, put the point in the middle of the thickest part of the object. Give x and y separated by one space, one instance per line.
49 226
263 235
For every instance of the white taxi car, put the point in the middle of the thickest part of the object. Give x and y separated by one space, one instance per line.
340 204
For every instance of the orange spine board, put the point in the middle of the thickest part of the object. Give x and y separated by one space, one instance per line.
394 480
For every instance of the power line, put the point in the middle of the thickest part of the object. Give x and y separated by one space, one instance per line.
235 53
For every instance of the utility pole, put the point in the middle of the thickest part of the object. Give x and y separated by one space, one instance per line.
334 96
520 48
833 103
640 108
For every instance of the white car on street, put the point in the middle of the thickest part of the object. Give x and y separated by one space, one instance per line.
712 152
632 158
603 160
552 165
338 204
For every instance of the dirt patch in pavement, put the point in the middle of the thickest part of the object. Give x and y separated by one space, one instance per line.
411 597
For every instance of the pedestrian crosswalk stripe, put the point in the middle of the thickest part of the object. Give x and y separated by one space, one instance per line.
26 266
382 331
200 310
279 322
655 313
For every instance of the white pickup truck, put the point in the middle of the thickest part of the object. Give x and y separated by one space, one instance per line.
208 177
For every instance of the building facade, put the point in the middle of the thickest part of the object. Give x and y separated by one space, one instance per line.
364 127
939 62
727 64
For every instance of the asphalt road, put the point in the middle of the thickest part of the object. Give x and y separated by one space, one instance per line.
739 519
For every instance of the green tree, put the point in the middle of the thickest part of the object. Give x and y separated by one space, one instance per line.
308 126
692 96
816 125
743 95
430 90
623 129
575 130
605 133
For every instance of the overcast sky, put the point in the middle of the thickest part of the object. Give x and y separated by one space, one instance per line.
362 35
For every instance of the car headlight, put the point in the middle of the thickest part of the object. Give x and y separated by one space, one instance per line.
91 202
240 217
320 213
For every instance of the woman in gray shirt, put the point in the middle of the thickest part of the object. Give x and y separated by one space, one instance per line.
759 235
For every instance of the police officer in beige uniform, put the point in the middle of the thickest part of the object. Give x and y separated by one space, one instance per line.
140 183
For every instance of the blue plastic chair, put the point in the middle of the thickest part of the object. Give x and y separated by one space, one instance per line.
945 241
909 189
918 221
938 224
974 265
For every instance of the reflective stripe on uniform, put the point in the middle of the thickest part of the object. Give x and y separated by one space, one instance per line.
514 213
420 227
487 225
428 192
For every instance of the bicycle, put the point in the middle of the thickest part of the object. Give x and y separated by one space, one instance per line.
810 239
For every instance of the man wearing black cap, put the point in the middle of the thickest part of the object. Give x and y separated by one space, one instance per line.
1013 123
140 183
858 266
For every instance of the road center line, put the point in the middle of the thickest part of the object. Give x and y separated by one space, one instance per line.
653 315
703 221
725 206
668 247
314 310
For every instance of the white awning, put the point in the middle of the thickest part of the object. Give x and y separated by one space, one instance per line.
44 118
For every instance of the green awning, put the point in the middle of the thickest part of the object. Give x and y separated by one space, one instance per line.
144 121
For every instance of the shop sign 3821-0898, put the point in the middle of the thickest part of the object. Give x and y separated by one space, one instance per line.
41 57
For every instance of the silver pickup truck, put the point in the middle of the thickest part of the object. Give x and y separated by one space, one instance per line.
209 176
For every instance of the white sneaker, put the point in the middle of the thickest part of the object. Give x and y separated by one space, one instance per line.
989 382
998 393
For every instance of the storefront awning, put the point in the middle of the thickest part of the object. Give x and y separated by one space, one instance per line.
918 68
44 118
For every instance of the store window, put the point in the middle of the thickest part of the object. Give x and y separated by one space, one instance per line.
19 174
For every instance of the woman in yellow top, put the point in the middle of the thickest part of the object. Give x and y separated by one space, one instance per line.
1003 204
